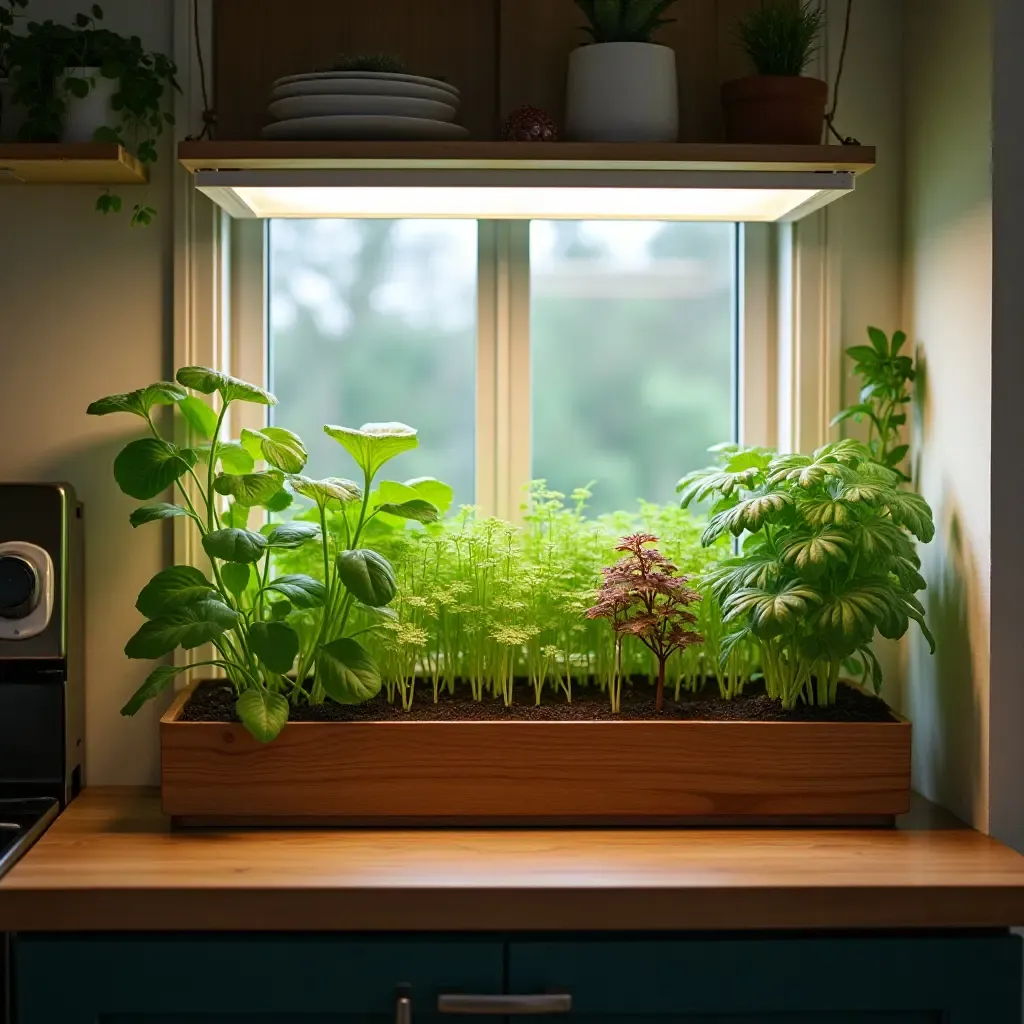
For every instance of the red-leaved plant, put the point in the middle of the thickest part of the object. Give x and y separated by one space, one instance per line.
643 597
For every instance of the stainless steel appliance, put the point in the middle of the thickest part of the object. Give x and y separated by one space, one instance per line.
41 666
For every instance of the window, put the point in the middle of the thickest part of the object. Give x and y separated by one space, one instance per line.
373 320
577 352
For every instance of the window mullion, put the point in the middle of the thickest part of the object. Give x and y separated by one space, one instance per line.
503 367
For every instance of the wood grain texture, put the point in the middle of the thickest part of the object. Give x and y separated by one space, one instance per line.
258 41
112 863
581 773
538 35
58 163
200 156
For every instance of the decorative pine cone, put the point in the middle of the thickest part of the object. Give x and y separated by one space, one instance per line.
530 124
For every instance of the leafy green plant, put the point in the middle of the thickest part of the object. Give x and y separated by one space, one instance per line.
886 376
643 597
8 19
624 21
780 36
146 80
379 63
829 560
281 639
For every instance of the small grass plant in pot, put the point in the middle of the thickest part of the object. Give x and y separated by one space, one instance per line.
622 86
85 83
779 105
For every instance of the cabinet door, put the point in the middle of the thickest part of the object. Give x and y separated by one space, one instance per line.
243 980
729 980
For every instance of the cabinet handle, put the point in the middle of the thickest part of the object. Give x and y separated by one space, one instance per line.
501 1006
403 1005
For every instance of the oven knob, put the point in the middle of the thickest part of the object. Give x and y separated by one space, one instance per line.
19 587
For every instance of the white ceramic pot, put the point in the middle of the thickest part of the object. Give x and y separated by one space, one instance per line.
85 115
622 92
12 115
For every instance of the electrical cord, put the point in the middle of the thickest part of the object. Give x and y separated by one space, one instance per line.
830 117
209 115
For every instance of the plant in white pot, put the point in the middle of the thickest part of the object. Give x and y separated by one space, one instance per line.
622 87
11 114
779 104
84 83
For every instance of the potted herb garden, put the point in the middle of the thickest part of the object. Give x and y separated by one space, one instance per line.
779 104
383 659
622 87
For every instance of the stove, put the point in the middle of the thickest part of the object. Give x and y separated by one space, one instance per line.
41 668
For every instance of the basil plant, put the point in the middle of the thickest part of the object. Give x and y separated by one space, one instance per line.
828 559
280 640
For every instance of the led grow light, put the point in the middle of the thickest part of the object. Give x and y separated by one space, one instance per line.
484 194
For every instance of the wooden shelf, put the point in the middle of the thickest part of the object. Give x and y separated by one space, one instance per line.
236 156
80 163
111 862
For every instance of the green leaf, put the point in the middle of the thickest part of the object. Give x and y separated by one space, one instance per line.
291 535
279 502
773 612
236 577
207 381
750 514
439 494
279 447
201 418
374 444
911 511
332 491
821 512
156 682
231 545
879 341
899 339
854 612
301 591
250 489
863 354
276 644
192 626
147 467
139 403
263 713
897 455
367 576
812 554
172 588
347 673
417 509
153 513
235 517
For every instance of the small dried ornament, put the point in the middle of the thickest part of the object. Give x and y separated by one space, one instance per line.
530 124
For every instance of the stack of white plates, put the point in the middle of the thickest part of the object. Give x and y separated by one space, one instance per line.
363 105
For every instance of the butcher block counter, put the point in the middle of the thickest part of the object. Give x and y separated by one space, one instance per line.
112 862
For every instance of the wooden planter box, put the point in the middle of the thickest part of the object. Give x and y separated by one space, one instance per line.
536 773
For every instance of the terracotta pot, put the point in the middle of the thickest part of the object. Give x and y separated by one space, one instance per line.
779 109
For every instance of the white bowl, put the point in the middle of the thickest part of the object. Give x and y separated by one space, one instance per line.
364 87
384 76
326 106
357 126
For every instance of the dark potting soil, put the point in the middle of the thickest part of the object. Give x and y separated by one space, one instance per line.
215 702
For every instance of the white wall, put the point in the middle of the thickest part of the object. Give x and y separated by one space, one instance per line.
948 252
85 310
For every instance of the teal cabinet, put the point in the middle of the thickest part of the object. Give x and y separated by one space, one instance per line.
782 980
709 979
242 979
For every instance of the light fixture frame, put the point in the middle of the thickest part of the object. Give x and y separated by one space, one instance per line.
222 187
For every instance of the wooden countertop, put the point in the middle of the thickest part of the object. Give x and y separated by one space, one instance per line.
112 863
